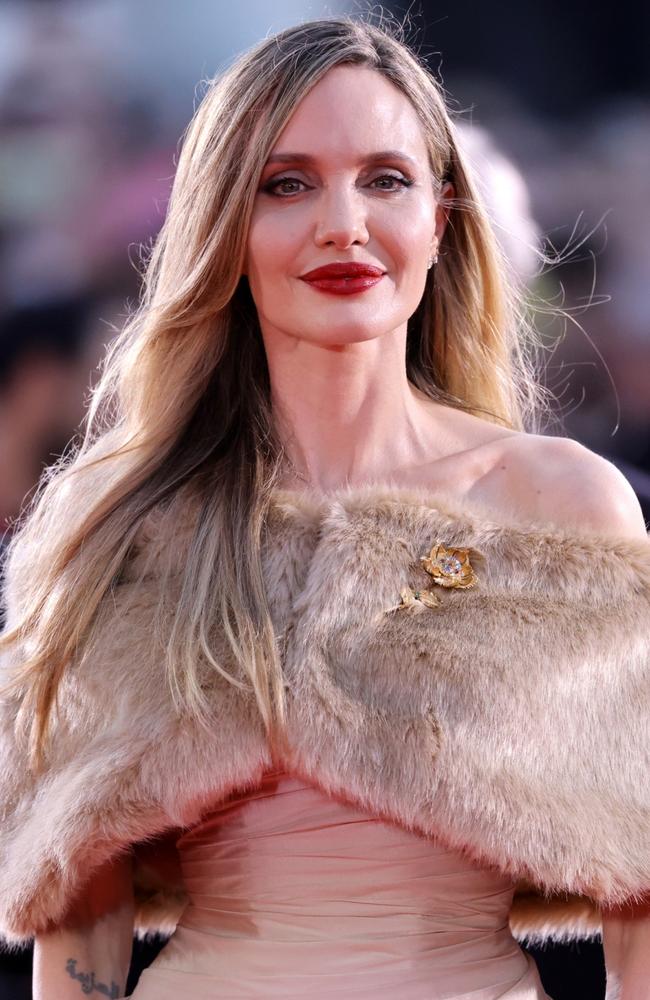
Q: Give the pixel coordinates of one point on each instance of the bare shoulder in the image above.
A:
(559, 481)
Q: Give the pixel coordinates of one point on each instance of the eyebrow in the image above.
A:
(380, 156)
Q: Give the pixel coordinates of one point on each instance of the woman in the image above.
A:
(244, 618)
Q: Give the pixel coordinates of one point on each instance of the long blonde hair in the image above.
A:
(184, 395)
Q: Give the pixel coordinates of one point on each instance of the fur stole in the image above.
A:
(509, 718)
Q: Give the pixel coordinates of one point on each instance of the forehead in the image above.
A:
(352, 110)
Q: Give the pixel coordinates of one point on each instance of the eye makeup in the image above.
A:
(269, 187)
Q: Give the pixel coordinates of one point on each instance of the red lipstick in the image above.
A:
(344, 278)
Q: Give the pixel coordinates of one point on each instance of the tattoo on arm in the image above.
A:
(88, 982)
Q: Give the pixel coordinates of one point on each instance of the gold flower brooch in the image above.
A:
(449, 567)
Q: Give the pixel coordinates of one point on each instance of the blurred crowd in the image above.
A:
(93, 99)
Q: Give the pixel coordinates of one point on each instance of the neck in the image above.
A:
(347, 414)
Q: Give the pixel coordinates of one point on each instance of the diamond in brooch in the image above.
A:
(449, 567)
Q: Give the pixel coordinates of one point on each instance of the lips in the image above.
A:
(342, 269)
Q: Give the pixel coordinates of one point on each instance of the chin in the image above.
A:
(347, 331)
(342, 335)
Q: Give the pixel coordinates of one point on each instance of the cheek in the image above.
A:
(272, 243)
(411, 232)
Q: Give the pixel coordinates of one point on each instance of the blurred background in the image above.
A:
(553, 102)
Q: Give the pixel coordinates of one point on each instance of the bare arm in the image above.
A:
(89, 952)
(626, 944)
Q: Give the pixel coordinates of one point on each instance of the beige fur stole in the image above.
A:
(509, 717)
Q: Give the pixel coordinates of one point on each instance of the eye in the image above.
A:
(403, 181)
(272, 186)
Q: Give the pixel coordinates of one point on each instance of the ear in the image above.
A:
(443, 209)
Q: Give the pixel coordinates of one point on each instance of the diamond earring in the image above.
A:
(433, 260)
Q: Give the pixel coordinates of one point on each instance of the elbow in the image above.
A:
(108, 891)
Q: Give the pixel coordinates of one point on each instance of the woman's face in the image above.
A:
(341, 206)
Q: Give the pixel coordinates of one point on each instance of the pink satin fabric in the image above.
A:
(297, 894)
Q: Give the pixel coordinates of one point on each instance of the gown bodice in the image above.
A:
(295, 893)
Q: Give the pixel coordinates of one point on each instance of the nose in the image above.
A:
(341, 217)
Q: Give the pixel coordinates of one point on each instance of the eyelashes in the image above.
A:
(270, 186)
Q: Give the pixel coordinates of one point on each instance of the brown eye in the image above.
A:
(403, 181)
(278, 186)
(271, 186)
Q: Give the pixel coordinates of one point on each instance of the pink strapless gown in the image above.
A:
(297, 894)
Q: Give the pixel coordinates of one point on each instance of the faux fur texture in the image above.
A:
(511, 721)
